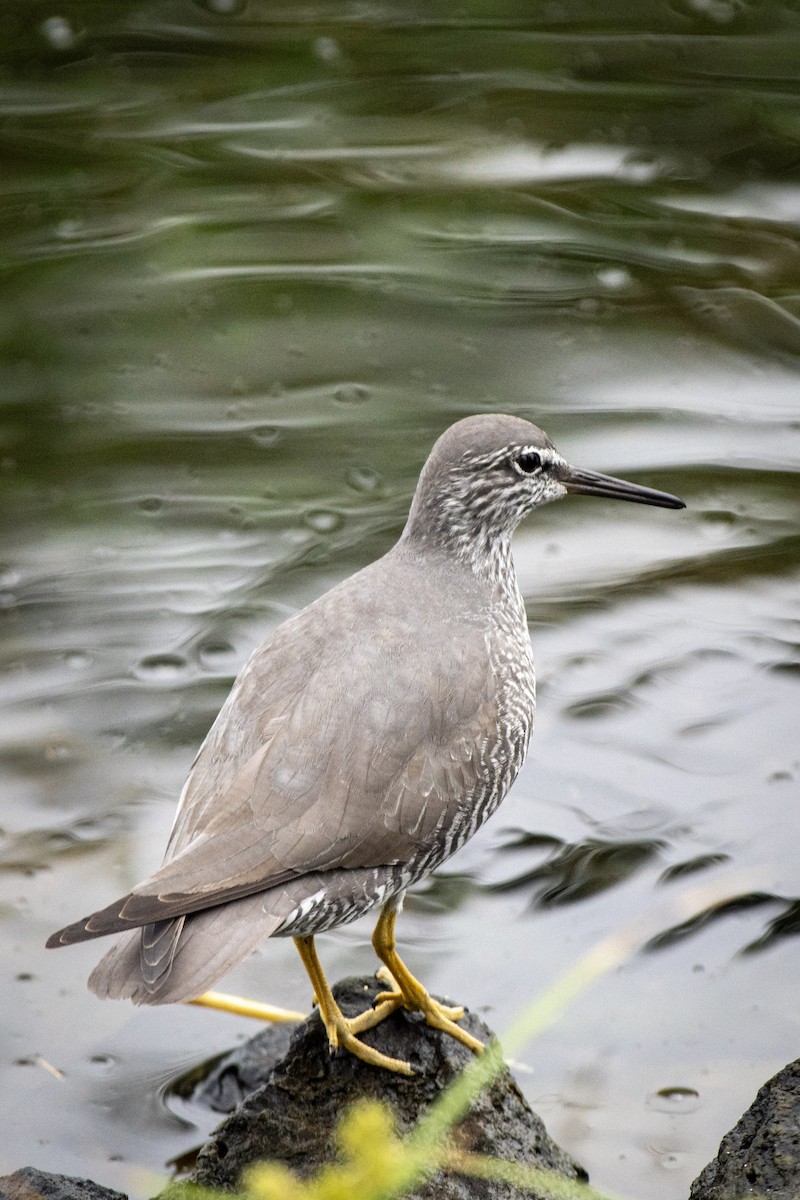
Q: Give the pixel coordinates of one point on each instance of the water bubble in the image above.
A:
(640, 168)
(363, 479)
(719, 516)
(323, 520)
(223, 8)
(215, 655)
(69, 230)
(351, 393)
(674, 1100)
(327, 49)
(598, 707)
(58, 32)
(614, 279)
(241, 516)
(76, 660)
(103, 1063)
(151, 504)
(266, 435)
(58, 752)
(779, 776)
(161, 668)
(720, 11)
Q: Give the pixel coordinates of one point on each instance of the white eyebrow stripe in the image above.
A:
(544, 453)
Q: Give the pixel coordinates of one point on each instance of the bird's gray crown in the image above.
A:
(485, 434)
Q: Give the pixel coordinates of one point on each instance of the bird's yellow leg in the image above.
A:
(340, 1030)
(246, 1008)
(407, 992)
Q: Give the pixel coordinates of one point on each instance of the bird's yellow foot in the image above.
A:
(342, 1033)
(414, 998)
(246, 1008)
(406, 991)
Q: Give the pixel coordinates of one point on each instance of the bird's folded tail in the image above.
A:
(177, 960)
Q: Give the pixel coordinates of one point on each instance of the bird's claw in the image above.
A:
(341, 1033)
(438, 1016)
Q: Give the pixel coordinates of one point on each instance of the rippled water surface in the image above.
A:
(255, 258)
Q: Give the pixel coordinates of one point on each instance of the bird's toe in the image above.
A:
(347, 1040)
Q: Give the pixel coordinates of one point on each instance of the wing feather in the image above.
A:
(347, 751)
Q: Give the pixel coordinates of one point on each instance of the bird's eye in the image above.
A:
(528, 462)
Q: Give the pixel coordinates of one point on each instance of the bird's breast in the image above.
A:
(512, 662)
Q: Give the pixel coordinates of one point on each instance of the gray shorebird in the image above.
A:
(361, 745)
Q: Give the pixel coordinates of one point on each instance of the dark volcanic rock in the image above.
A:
(761, 1154)
(30, 1184)
(229, 1078)
(291, 1118)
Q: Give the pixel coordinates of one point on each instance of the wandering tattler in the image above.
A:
(368, 738)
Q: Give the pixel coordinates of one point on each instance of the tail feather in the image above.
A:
(157, 948)
(179, 960)
(137, 909)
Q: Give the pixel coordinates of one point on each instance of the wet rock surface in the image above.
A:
(761, 1154)
(30, 1184)
(228, 1079)
(290, 1118)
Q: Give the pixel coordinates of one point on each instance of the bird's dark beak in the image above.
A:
(592, 483)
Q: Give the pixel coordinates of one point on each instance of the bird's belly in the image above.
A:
(334, 898)
(327, 900)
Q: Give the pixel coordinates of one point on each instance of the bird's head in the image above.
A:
(485, 473)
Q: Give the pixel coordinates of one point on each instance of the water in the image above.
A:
(255, 260)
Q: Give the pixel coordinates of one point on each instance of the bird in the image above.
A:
(361, 745)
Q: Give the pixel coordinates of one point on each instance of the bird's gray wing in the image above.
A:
(353, 754)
